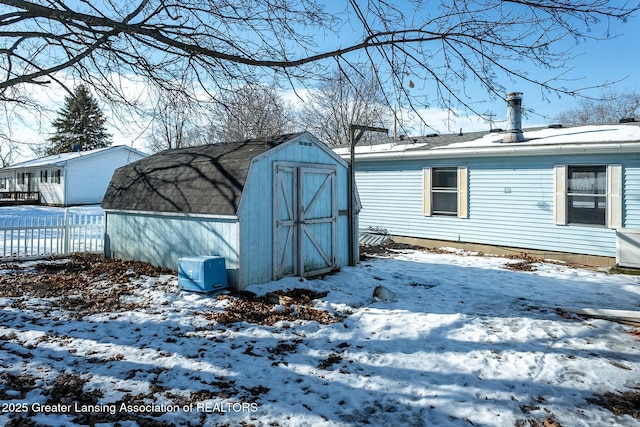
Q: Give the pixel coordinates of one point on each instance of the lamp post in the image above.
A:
(354, 138)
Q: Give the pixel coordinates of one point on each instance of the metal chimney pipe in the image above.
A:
(514, 118)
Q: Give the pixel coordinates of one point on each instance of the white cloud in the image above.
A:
(430, 120)
(30, 127)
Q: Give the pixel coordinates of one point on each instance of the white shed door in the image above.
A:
(306, 219)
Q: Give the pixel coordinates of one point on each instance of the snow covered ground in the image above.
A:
(466, 342)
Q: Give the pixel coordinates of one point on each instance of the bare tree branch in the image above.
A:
(251, 111)
(345, 97)
(196, 47)
(612, 106)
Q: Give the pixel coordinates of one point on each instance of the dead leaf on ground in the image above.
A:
(247, 307)
(623, 403)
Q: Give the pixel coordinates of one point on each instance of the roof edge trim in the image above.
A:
(57, 162)
(504, 151)
(173, 214)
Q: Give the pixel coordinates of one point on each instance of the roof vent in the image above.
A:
(514, 118)
(431, 135)
(555, 126)
(627, 120)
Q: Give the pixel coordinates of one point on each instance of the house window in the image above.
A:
(445, 191)
(21, 178)
(3, 183)
(587, 195)
(44, 175)
(55, 177)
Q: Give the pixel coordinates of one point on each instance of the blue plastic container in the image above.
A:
(202, 273)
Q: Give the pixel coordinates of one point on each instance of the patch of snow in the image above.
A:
(465, 342)
(379, 148)
(570, 135)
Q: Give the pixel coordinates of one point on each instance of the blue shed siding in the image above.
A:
(256, 208)
(511, 203)
(246, 241)
(190, 236)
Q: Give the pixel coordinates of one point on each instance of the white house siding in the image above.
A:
(84, 176)
(50, 192)
(128, 236)
(511, 203)
(256, 208)
(87, 178)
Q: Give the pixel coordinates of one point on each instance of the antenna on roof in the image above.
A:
(491, 116)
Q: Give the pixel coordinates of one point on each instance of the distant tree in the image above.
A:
(612, 106)
(7, 151)
(15, 118)
(79, 123)
(341, 100)
(173, 124)
(250, 111)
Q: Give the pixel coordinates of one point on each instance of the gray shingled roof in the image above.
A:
(205, 179)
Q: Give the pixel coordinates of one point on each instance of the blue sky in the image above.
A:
(599, 61)
(596, 62)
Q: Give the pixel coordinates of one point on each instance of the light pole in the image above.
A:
(353, 141)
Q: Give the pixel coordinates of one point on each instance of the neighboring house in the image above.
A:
(76, 178)
(559, 191)
(271, 207)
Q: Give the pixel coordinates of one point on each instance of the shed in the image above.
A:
(75, 178)
(271, 207)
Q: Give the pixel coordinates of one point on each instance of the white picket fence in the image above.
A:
(32, 238)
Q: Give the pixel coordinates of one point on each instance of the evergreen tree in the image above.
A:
(80, 123)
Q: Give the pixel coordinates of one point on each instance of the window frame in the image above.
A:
(438, 190)
(462, 186)
(596, 197)
(613, 195)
